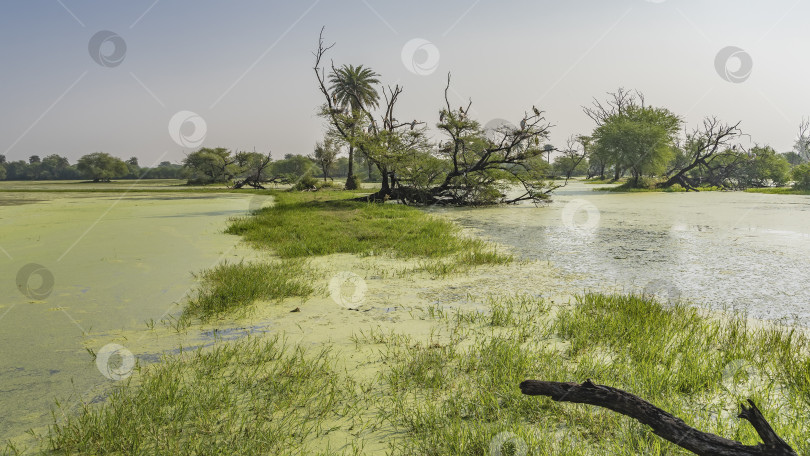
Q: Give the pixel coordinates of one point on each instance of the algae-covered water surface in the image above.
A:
(369, 345)
(84, 270)
(727, 250)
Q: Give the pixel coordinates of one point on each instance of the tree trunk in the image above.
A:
(663, 424)
(350, 175)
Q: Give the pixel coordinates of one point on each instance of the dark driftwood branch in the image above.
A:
(664, 424)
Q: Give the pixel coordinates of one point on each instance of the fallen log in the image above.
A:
(663, 424)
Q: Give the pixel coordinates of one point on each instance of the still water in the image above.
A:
(107, 265)
(722, 250)
(80, 272)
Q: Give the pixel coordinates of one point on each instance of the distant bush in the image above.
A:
(326, 184)
(306, 182)
(675, 188)
(645, 182)
(801, 176)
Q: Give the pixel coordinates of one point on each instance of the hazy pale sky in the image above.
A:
(245, 68)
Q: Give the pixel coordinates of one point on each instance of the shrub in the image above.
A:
(645, 182)
(801, 176)
(306, 182)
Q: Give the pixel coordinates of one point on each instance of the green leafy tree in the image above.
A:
(801, 176)
(640, 140)
(293, 167)
(254, 169)
(793, 158)
(2, 171)
(54, 167)
(207, 166)
(325, 155)
(101, 167)
(763, 168)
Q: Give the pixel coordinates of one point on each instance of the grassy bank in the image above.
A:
(779, 191)
(428, 379)
(302, 225)
(455, 392)
(625, 188)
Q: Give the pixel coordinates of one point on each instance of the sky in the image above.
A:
(157, 79)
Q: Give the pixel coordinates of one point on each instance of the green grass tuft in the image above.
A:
(323, 223)
(230, 286)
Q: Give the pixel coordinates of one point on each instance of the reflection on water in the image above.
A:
(720, 249)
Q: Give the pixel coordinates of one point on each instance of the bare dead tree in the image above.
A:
(367, 141)
(617, 103)
(663, 424)
(575, 151)
(509, 151)
(703, 147)
(255, 174)
(803, 140)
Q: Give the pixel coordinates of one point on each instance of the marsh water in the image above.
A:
(109, 264)
(738, 251)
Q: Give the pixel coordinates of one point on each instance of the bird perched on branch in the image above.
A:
(523, 124)
(413, 124)
(536, 111)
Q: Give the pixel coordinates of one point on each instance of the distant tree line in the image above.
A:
(98, 166)
(649, 147)
(218, 165)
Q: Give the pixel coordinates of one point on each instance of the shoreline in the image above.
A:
(415, 306)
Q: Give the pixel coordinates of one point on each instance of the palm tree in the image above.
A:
(353, 87)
